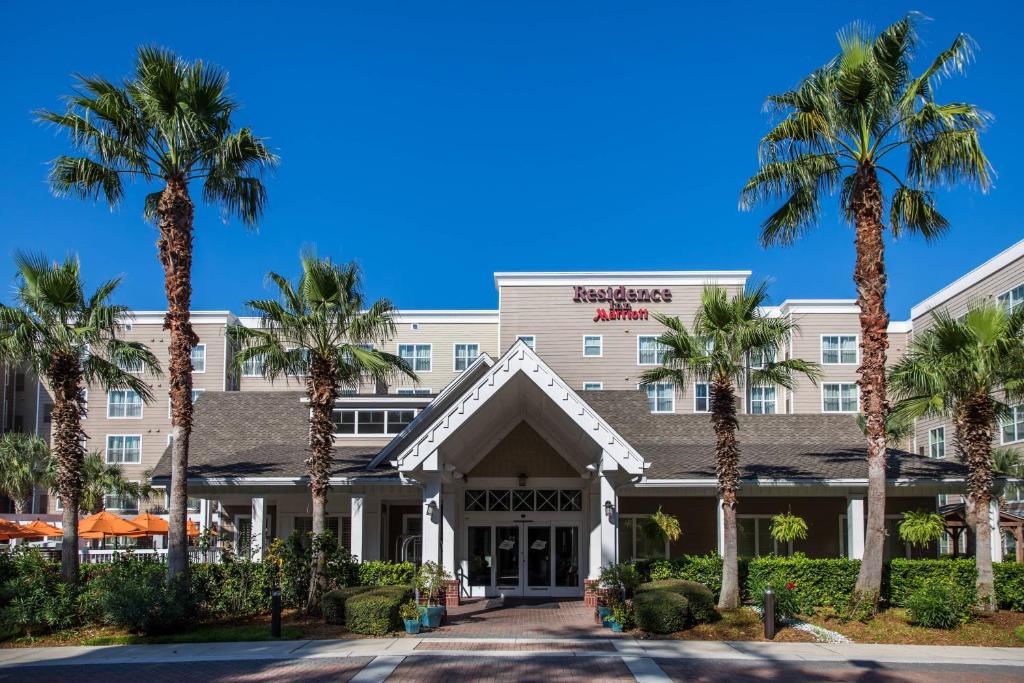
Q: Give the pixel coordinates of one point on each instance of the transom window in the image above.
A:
(762, 400)
(839, 349)
(124, 404)
(124, 450)
(413, 391)
(649, 351)
(372, 422)
(593, 386)
(253, 367)
(937, 442)
(416, 355)
(839, 397)
(661, 397)
(1012, 299)
(465, 354)
(592, 346)
(639, 539)
(1013, 425)
(524, 500)
(701, 397)
(199, 358)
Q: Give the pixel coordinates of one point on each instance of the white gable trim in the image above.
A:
(519, 358)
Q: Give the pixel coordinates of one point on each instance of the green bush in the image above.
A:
(36, 599)
(293, 560)
(661, 611)
(132, 593)
(383, 573)
(701, 602)
(825, 582)
(230, 589)
(907, 576)
(333, 607)
(703, 569)
(940, 604)
(375, 612)
(1009, 585)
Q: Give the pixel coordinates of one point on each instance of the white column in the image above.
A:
(609, 523)
(997, 537)
(358, 527)
(259, 515)
(855, 527)
(205, 514)
(596, 513)
(448, 531)
(431, 522)
(719, 526)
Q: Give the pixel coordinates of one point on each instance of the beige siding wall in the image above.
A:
(806, 397)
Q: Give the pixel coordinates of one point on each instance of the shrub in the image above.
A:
(132, 593)
(293, 561)
(432, 582)
(621, 576)
(816, 582)
(907, 576)
(1009, 585)
(375, 612)
(701, 603)
(939, 605)
(703, 569)
(236, 588)
(661, 611)
(333, 608)
(381, 573)
(37, 600)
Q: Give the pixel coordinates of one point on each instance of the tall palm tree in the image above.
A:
(23, 459)
(100, 479)
(846, 127)
(726, 331)
(70, 340)
(169, 125)
(965, 369)
(321, 330)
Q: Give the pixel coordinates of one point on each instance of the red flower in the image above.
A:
(790, 586)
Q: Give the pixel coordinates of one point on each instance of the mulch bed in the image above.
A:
(741, 624)
(891, 626)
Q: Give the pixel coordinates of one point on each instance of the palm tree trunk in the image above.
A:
(175, 246)
(727, 453)
(22, 503)
(869, 275)
(322, 390)
(975, 438)
(64, 376)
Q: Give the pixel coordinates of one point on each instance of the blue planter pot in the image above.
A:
(616, 626)
(412, 626)
(605, 615)
(431, 616)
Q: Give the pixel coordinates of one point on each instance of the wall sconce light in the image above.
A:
(522, 480)
(608, 509)
(431, 508)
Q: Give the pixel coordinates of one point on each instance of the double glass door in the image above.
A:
(524, 558)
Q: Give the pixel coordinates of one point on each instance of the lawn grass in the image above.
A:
(1002, 629)
(203, 634)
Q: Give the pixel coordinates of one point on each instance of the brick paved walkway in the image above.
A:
(547, 618)
(546, 669)
(308, 670)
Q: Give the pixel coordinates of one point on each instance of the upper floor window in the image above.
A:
(593, 386)
(592, 346)
(199, 358)
(133, 366)
(371, 422)
(465, 354)
(124, 504)
(528, 339)
(937, 442)
(839, 349)
(1012, 299)
(123, 404)
(761, 357)
(839, 397)
(416, 355)
(124, 450)
(762, 400)
(701, 397)
(649, 351)
(253, 367)
(413, 391)
(1013, 425)
(661, 397)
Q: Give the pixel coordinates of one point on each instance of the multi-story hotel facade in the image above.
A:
(528, 454)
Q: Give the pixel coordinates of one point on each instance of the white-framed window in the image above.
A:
(416, 355)
(413, 391)
(199, 358)
(528, 339)
(253, 367)
(839, 397)
(195, 397)
(465, 354)
(762, 400)
(132, 366)
(124, 504)
(839, 349)
(348, 391)
(661, 396)
(124, 449)
(761, 357)
(593, 386)
(124, 404)
(593, 346)
(702, 397)
(371, 421)
(754, 537)
(1012, 299)
(649, 351)
(937, 442)
(1012, 427)
(639, 539)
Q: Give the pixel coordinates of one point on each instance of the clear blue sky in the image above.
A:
(439, 142)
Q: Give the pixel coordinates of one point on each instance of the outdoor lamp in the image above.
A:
(522, 480)
(608, 509)
(431, 508)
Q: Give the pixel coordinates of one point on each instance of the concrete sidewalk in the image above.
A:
(626, 648)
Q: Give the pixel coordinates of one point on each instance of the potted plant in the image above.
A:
(410, 614)
(622, 616)
(431, 584)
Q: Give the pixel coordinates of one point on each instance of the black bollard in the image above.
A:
(769, 613)
(275, 613)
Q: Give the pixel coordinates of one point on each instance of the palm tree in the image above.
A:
(23, 459)
(726, 331)
(100, 480)
(964, 369)
(168, 125)
(70, 340)
(839, 126)
(321, 330)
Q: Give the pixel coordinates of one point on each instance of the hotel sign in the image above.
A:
(620, 300)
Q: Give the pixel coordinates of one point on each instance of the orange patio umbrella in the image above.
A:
(9, 530)
(104, 524)
(193, 528)
(151, 524)
(41, 528)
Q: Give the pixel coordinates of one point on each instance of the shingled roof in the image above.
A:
(771, 446)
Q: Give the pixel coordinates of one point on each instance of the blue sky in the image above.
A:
(439, 142)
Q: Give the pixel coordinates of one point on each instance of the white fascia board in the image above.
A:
(899, 326)
(685, 483)
(994, 264)
(373, 400)
(811, 306)
(196, 317)
(284, 481)
(626, 277)
(445, 316)
(771, 311)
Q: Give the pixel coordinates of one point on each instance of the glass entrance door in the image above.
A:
(524, 559)
(507, 559)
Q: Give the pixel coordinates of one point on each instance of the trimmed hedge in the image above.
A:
(1009, 585)
(383, 573)
(700, 601)
(702, 569)
(661, 611)
(817, 582)
(333, 605)
(907, 576)
(375, 612)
